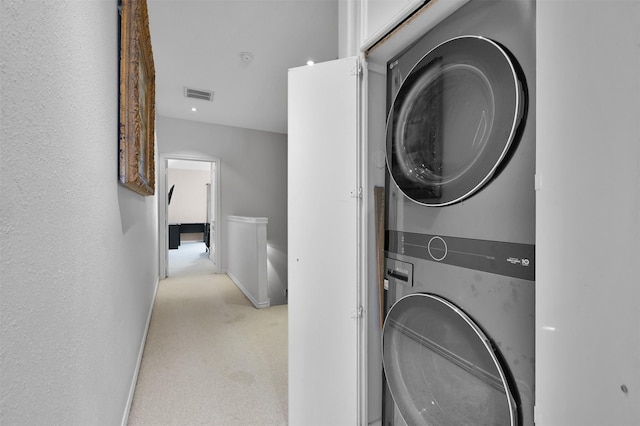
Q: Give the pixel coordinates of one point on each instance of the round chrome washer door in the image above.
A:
(441, 368)
(453, 120)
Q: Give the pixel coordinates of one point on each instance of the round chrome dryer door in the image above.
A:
(441, 368)
(453, 120)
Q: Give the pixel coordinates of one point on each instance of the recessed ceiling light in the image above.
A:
(194, 109)
(310, 62)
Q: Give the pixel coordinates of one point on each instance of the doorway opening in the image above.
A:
(189, 208)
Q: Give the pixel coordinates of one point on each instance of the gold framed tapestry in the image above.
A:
(137, 99)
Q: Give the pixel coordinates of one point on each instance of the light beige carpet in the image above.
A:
(190, 258)
(211, 358)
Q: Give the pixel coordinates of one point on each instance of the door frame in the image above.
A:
(163, 207)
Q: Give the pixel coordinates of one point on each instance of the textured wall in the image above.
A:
(78, 251)
(588, 213)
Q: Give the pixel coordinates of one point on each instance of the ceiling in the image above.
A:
(198, 44)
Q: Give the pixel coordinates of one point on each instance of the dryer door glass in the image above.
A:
(441, 368)
(453, 120)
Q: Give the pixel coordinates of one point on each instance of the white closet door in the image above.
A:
(323, 244)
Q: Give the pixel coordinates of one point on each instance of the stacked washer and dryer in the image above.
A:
(458, 338)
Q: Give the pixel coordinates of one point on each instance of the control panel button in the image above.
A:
(437, 248)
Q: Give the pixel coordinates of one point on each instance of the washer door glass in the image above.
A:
(453, 120)
(440, 367)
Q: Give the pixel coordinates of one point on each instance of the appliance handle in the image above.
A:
(398, 275)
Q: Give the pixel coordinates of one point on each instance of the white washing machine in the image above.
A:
(458, 339)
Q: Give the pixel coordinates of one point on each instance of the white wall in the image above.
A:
(277, 263)
(247, 257)
(253, 171)
(588, 213)
(78, 251)
(189, 197)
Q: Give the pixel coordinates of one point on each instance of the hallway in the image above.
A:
(211, 358)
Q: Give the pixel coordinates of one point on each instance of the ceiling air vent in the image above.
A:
(204, 95)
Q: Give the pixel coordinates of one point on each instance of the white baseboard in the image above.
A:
(127, 409)
(265, 304)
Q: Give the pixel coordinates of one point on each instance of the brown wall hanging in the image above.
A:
(137, 99)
